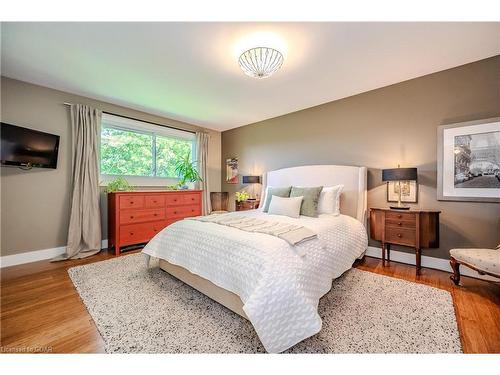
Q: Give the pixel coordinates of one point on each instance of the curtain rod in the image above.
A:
(136, 119)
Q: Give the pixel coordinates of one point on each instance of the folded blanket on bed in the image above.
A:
(291, 233)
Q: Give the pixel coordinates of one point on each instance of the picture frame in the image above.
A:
(409, 191)
(468, 161)
(232, 171)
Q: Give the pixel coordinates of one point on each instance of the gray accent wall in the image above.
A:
(35, 204)
(381, 129)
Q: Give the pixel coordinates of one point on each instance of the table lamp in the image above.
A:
(251, 180)
(399, 174)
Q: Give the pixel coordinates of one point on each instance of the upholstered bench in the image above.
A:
(484, 261)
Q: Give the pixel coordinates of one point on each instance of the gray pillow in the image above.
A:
(283, 192)
(311, 198)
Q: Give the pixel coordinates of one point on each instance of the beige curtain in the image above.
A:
(84, 233)
(202, 159)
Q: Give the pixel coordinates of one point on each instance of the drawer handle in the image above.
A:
(400, 223)
(400, 216)
(399, 235)
(192, 199)
(154, 201)
(131, 233)
(175, 212)
(131, 202)
(155, 214)
(156, 230)
(131, 217)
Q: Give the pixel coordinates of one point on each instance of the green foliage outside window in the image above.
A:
(169, 152)
(130, 153)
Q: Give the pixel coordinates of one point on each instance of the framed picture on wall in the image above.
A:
(232, 171)
(409, 191)
(469, 161)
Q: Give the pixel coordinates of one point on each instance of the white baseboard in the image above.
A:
(36, 255)
(427, 261)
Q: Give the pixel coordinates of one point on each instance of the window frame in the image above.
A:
(143, 127)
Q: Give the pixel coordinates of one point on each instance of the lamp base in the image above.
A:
(399, 208)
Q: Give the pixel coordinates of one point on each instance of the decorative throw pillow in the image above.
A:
(277, 191)
(310, 201)
(329, 200)
(285, 206)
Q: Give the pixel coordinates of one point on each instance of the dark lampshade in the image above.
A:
(251, 179)
(399, 174)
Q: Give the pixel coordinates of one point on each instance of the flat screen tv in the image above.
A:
(28, 148)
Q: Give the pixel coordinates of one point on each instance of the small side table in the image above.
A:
(414, 228)
(247, 205)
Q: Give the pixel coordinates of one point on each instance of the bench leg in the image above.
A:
(455, 266)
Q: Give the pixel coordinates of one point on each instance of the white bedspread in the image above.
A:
(279, 288)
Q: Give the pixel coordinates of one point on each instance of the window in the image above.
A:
(141, 151)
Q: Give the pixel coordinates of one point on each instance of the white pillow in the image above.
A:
(285, 206)
(329, 200)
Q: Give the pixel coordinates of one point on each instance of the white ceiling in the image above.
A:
(189, 71)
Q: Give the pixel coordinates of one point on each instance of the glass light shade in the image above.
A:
(260, 62)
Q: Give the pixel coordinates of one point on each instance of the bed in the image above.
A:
(263, 278)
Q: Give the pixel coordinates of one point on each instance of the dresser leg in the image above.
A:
(383, 254)
(418, 255)
(117, 250)
(388, 252)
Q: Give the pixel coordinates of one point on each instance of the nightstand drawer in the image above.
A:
(400, 223)
(400, 236)
(406, 216)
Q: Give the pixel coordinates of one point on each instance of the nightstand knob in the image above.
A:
(400, 216)
(399, 223)
(399, 235)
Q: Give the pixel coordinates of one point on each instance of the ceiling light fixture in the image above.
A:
(260, 62)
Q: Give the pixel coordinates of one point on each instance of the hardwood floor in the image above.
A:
(42, 312)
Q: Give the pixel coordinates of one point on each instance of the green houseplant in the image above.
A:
(119, 184)
(241, 196)
(186, 171)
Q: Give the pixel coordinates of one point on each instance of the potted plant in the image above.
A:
(186, 171)
(241, 196)
(119, 184)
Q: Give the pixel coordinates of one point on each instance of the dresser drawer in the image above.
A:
(399, 223)
(139, 216)
(138, 233)
(174, 200)
(183, 211)
(192, 199)
(154, 201)
(400, 236)
(130, 201)
(406, 216)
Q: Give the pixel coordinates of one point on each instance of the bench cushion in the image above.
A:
(483, 259)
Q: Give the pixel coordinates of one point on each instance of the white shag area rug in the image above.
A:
(145, 310)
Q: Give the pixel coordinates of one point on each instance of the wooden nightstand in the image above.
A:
(247, 205)
(415, 228)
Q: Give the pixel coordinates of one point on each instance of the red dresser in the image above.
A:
(134, 217)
